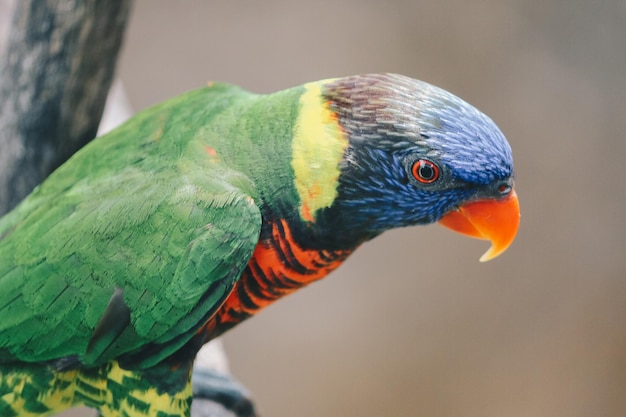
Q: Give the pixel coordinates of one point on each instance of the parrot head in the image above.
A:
(417, 154)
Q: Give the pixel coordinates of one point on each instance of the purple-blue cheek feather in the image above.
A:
(381, 195)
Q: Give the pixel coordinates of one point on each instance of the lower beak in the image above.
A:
(496, 220)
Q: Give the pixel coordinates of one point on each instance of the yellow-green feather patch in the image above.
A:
(318, 148)
(37, 391)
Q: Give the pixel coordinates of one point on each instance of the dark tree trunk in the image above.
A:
(55, 73)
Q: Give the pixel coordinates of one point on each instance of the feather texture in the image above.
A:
(202, 210)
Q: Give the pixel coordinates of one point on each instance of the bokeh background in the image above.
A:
(413, 324)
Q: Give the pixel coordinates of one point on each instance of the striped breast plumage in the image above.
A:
(279, 266)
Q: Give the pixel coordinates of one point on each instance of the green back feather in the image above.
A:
(131, 233)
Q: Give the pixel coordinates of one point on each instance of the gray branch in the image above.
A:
(55, 74)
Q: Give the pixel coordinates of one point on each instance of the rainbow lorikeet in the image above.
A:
(200, 211)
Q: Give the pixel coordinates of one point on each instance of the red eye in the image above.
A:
(425, 171)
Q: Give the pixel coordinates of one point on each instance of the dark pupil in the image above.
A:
(426, 172)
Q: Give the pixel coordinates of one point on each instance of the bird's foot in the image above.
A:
(217, 394)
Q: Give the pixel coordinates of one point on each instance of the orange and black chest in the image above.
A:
(278, 267)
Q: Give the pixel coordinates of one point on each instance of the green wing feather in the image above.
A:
(134, 241)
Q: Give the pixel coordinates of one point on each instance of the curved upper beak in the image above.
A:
(496, 220)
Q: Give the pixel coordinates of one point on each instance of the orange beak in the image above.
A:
(493, 220)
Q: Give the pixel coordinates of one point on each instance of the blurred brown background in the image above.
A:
(413, 324)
